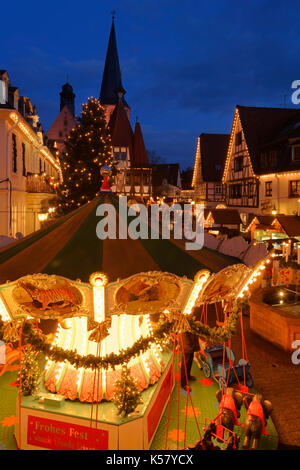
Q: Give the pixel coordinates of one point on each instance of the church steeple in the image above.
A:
(67, 97)
(111, 80)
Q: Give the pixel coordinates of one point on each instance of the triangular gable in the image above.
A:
(210, 157)
(277, 226)
(254, 221)
(289, 224)
(58, 124)
(262, 127)
(236, 126)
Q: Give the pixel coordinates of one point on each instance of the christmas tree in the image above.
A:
(87, 149)
(30, 372)
(127, 395)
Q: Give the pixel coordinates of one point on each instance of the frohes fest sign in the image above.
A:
(58, 435)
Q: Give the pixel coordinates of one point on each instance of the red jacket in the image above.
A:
(256, 409)
(228, 403)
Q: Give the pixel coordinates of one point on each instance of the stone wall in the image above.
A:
(271, 323)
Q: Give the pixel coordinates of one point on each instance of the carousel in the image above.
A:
(89, 333)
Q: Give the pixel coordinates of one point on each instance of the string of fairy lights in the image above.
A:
(228, 160)
(88, 148)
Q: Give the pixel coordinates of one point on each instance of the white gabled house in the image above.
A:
(262, 167)
(29, 171)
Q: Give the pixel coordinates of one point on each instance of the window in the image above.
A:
(264, 160)
(238, 163)
(235, 191)
(268, 188)
(268, 159)
(146, 178)
(273, 158)
(238, 138)
(14, 151)
(296, 154)
(60, 133)
(116, 153)
(24, 159)
(250, 189)
(120, 153)
(295, 188)
(40, 166)
(218, 189)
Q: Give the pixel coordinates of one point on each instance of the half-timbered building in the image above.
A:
(209, 163)
(262, 168)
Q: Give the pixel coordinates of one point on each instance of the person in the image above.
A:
(190, 345)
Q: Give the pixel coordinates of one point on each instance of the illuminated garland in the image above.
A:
(215, 335)
(38, 343)
(220, 334)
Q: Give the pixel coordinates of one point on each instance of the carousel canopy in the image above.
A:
(69, 247)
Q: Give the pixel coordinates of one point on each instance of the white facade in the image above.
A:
(265, 194)
(28, 174)
(280, 192)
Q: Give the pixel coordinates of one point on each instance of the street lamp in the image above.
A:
(3, 181)
(42, 216)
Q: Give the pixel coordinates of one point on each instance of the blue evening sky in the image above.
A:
(185, 64)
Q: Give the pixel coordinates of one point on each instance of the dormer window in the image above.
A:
(268, 159)
(273, 158)
(296, 153)
(264, 160)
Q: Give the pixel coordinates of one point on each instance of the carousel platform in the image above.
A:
(178, 429)
(73, 425)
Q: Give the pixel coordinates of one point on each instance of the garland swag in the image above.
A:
(215, 335)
